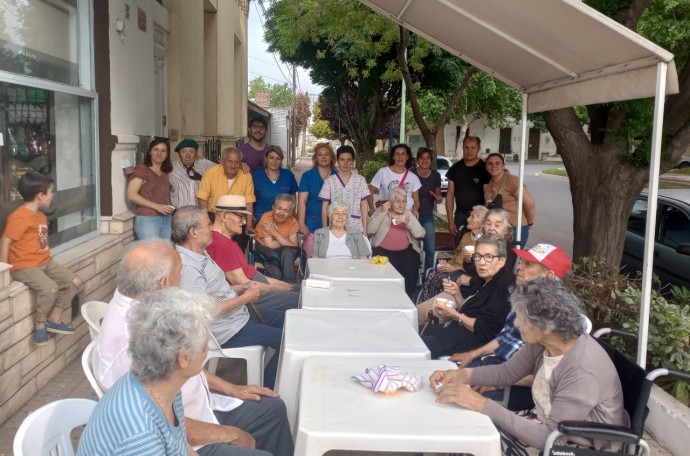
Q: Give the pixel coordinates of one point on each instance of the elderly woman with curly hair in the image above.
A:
(169, 332)
(396, 234)
(574, 378)
(339, 240)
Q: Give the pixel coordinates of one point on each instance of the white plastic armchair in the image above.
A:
(93, 312)
(46, 431)
(252, 354)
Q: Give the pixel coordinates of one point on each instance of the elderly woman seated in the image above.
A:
(574, 378)
(477, 319)
(461, 263)
(169, 332)
(396, 234)
(339, 240)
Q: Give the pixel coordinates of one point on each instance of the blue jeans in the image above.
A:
(153, 226)
(427, 222)
(524, 234)
(254, 333)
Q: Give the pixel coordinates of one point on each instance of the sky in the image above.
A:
(263, 63)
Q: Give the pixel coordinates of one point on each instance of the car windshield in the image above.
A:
(442, 164)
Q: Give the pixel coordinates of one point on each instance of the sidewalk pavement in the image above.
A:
(71, 382)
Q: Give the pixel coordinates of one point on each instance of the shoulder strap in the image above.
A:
(402, 182)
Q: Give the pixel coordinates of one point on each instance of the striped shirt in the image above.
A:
(182, 188)
(126, 421)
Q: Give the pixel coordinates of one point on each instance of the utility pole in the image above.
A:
(293, 128)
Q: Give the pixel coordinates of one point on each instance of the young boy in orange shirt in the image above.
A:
(24, 245)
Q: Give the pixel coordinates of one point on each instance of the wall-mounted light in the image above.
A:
(120, 28)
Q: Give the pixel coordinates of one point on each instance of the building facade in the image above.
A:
(84, 86)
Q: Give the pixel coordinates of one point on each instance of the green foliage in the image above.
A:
(614, 300)
(321, 129)
(258, 85)
(368, 168)
(555, 171)
(280, 94)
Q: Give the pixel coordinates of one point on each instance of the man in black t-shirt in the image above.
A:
(466, 180)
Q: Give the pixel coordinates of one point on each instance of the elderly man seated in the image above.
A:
(276, 236)
(226, 424)
(231, 217)
(234, 326)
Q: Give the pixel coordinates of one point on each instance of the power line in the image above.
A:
(263, 27)
(267, 77)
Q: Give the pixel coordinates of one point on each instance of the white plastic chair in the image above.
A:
(93, 312)
(86, 365)
(46, 431)
(252, 354)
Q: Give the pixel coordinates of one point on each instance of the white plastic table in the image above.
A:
(340, 333)
(363, 296)
(351, 270)
(338, 413)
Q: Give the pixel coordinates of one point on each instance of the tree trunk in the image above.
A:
(603, 188)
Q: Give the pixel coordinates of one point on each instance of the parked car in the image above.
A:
(684, 162)
(672, 243)
(443, 164)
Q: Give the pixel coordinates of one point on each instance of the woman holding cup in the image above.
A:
(477, 319)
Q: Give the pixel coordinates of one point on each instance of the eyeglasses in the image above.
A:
(487, 257)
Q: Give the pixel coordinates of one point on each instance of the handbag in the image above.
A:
(497, 202)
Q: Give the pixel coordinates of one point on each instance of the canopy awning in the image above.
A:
(560, 52)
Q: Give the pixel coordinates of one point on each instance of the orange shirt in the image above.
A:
(286, 229)
(28, 231)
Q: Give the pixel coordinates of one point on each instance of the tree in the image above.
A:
(320, 127)
(609, 169)
(258, 85)
(281, 95)
(348, 49)
(302, 113)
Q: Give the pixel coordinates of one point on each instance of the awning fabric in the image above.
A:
(560, 52)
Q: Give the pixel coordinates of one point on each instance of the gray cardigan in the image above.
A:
(380, 223)
(354, 240)
(584, 386)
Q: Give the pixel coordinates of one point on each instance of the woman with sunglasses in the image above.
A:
(474, 320)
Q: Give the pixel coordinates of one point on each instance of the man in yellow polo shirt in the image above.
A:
(227, 178)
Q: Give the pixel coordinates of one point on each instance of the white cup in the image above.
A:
(443, 302)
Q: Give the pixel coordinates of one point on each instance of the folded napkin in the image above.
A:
(379, 259)
(388, 379)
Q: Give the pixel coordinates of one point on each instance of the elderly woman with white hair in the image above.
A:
(169, 332)
(339, 240)
(574, 378)
(396, 234)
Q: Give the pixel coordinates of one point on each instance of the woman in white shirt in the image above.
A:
(397, 175)
(338, 240)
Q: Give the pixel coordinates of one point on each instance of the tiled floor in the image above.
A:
(71, 382)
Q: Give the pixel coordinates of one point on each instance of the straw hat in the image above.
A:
(232, 203)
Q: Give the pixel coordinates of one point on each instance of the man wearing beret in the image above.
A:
(186, 174)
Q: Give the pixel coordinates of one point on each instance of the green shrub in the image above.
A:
(368, 168)
(614, 300)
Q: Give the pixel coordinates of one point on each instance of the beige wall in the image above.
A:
(25, 368)
(207, 61)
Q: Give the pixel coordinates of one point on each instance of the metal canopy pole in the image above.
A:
(521, 177)
(650, 232)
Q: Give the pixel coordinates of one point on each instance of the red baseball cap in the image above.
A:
(552, 257)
